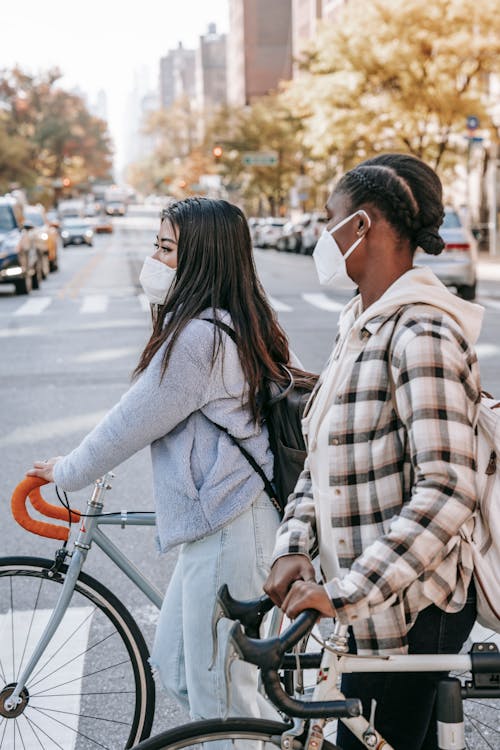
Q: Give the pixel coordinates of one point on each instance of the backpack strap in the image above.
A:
(223, 326)
(251, 460)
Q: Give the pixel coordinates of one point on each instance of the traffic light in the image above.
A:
(66, 182)
(217, 153)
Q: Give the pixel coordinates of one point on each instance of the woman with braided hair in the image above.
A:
(390, 473)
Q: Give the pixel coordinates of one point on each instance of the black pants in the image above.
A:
(405, 714)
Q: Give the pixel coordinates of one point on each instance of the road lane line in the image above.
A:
(278, 305)
(74, 285)
(94, 303)
(144, 302)
(490, 302)
(34, 306)
(54, 674)
(323, 302)
(484, 351)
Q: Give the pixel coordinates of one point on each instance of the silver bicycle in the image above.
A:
(73, 661)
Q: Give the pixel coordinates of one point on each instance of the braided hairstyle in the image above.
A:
(406, 191)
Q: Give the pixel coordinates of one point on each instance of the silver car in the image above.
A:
(456, 265)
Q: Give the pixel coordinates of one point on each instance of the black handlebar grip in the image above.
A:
(348, 707)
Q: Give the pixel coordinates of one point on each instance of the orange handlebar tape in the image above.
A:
(30, 487)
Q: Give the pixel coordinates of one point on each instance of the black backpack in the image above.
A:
(283, 410)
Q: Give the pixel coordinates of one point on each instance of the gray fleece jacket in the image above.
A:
(201, 480)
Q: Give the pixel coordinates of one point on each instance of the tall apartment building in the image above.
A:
(305, 17)
(211, 86)
(259, 51)
(177, 75)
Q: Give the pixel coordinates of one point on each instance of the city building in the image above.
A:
(177, 75)
(211, 86)
(306, 15)
(259, 50)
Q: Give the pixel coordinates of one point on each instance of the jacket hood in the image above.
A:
(419, 285)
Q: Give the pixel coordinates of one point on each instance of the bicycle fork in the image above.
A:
(78, 557)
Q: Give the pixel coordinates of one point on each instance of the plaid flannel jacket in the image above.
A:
(402, 477)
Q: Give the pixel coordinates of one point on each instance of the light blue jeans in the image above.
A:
(239, 555)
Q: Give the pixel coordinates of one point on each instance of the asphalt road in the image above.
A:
(66, 355)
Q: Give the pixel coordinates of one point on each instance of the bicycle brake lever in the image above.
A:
(232, 654)
(217, 615)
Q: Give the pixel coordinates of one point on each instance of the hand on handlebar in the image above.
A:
(285, 571)
(304, 595)
(44, 469)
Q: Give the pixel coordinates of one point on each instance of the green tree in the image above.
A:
(48, 132)
(398, 76)
(269, 124)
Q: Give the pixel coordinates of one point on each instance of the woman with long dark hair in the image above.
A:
(391, 472)
(192, 376)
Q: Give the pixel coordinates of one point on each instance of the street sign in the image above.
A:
(260, 158)
(472, 122)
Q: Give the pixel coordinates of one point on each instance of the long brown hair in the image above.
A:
(216, 270)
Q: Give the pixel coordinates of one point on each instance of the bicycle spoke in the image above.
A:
(74, 658)
(475, 702)
(82, 716)
(70, 636)
(76, 731)
(72, 695)
(12, 625)
(45, 733)
(480, 733)
(4, 730)
(89, 674)
(35, 735)
(26, 641)
(483, 723)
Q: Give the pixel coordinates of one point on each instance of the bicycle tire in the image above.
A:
(110, 701)
(219, 730)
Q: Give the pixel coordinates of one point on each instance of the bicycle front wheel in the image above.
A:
(92, 687)
(224, 733)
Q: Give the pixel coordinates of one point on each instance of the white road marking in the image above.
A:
(484, 351)
(51, 429)
(94, 303)
(490, 302)
(105, 355)
(144, 302)
(279, 306)
(54, 674)
(34, 306)
(323, 302)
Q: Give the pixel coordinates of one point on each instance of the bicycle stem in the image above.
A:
(78, 557)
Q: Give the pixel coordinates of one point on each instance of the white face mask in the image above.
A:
(328, 258)
(156, 279)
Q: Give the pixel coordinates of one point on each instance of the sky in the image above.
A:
(101, 44)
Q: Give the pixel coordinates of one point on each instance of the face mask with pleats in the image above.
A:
(156, 279)
(328, 258)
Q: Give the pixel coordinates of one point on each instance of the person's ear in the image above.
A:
(363, 223)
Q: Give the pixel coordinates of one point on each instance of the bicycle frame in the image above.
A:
(89, 532)
(336, 661)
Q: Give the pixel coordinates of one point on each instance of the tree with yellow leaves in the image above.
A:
(398, 76)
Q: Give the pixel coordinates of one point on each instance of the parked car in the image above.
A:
(76, 232)
(102, 223)
(270, 231)
(19, 260)
(291, 237)
(312, 226)
(45, 235)
(456, 265)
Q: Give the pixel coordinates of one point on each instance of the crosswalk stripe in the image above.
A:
(94, 303)
(323, 302)
(490, 302)
(278, 305)
(144, 302)
(34, 306)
